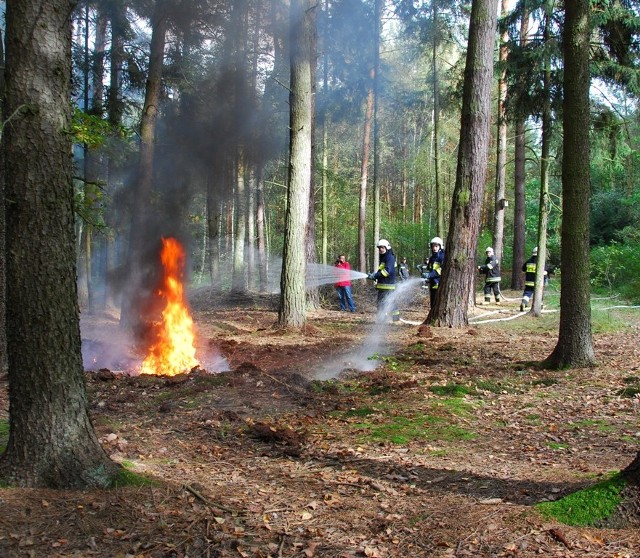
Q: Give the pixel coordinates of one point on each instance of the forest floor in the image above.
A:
(443, 449)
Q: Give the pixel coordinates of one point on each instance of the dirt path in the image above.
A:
(442, 450)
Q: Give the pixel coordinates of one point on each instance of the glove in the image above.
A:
(372, 276)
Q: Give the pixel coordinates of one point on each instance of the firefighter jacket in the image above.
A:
(386, 273)
(434, 268)
(529, 268)
(491, 269)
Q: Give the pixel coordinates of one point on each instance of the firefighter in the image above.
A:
(385, 278)
(434, 267)
(491, 270)
(423, 270)
(529, 269)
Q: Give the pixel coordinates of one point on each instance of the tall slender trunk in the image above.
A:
(543, 211)
(501, 156)
(132, 304)
(519, 224)
(364, 177)
(436, 127)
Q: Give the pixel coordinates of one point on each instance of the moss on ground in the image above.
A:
(586, 507)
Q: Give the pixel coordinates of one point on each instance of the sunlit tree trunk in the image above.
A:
(501, 158)
(51, 438)
(313, 292)
(239, 277)
(457, 283)
(378, 5)
(543, 211)
(517, 277)
(575, 341)
(292, 311)
(261, 232)
(364, 177)
(436, 126)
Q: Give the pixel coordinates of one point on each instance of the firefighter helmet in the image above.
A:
(489, 250)
(382, 243)
(437, 240)
(535, 251)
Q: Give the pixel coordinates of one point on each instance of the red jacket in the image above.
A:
(344, 277)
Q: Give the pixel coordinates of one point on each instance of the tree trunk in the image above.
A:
(501, 157)
(364, 177)
(543, 210)
(376, 132)
(239, 278)
(313, 292)
(439, 188)
(519, 224)
(292, 311)
(133, 298)
(3, 261)
(51, 438)
(451, 304)
(575, 342)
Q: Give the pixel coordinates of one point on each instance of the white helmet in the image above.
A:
(535, 251)
(384, 243)
(437, 240)
(489, 250)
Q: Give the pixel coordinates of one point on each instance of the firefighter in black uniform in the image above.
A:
(491, 269)
(529, 268)
(385, 278)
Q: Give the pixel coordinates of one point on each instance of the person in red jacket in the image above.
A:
(343, 285)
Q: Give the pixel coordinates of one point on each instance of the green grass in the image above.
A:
(557, 446)
(450, 390)
(125, 477)
(4, 434)
(401, 430)
(586, 507)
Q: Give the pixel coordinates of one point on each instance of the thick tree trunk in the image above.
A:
(292, 311)
(457, 284)
(575, 342)
(3, 261)
(51, 439)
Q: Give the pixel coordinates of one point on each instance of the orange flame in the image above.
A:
(173, 351)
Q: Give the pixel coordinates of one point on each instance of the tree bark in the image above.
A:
(292, 311)
(543, 210)
(51, 438)
(501, 156)
(575, 342)
(517, 277)
(364, 178)
(457, 283)
(3, 244)
(133, 299)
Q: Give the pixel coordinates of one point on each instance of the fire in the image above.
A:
(173, 352)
